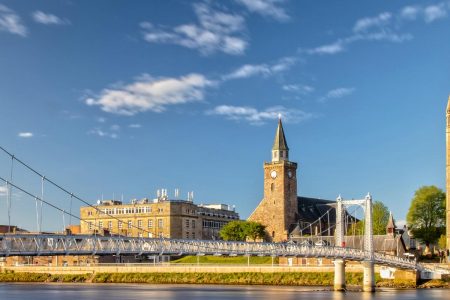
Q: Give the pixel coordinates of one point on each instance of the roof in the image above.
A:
(391, 222)
(311, 209)
(280, 140)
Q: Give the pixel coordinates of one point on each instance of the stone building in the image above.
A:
(160, 217)
(447, 202)
(282, 210)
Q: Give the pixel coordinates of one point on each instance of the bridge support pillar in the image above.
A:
(369, 276)
(339, 274)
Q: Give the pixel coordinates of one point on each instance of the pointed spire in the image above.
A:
(390, 227)
(280, 139)
(280, 149)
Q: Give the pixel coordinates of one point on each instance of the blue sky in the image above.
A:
(113, 97)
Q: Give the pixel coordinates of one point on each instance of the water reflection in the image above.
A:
(183, 292)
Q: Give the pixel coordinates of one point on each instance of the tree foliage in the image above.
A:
(242, 230)
(380, 218)
(426, 215)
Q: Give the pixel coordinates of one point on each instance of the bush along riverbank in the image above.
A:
(242, 278)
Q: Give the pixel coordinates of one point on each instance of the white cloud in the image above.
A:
(267, 8)
(410, 12)
(25, 134)
(103, 133)
(259, 117)
(3, 190)
(151, 94)
(337, 93)
(400, 223)
(435, 12)
(135, 126)
(47, 19)
(380, 21)
(215, 31)
(298, 88)
(428, 13)
(248, 70)
(333, 48)
(11, 22)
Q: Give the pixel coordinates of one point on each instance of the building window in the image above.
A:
(130, 224)
(150, 235)
(160, 210)
(193, 223)
(275, 153)
(160, 223)
(140, 234)
(187, 223)
(90, 225)
(120, 225)
(193, 235)
(89, 213)
(272, 187)
(110, 225)
(150, 223)
(160, 234)
(139, 223)
(187, 234)
(100, 224)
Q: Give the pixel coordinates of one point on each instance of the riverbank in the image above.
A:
(242, 278)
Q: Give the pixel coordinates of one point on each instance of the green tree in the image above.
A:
(380, 218)
(234, 231)
(255, 230)
(426, 215)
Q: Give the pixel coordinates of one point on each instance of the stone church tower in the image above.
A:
(279, 209)
(447, 203)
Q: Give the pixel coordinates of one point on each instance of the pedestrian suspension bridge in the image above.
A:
(40, 243)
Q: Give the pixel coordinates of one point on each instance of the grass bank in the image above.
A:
(241, 278)
(237, 260)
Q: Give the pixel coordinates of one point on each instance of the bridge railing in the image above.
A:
(48, 244)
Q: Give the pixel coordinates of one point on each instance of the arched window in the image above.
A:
(272, 187)
(273, 234)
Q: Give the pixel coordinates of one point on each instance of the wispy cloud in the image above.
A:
(368, 23)
(103, 133)
(332, 48)
(151, 94)
(298, 88)
(215, 31)
(25, 134)
(249, 70)
(258, 117)
(435, 12)
(337, 93)
(11, 22)
(48, 19)
(428, 13)
(385, 26)
(267, 8)
(135, 126)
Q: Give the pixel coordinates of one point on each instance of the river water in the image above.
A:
(19, 291)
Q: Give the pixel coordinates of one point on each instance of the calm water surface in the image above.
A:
(186, 292)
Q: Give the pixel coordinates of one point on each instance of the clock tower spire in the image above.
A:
(278, 211)
(280, 149)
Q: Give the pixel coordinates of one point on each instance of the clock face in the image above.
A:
(273, 174)
(290, 174)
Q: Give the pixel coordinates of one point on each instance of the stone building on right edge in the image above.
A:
(447, 171)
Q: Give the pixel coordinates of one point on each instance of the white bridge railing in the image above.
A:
(48, 245)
